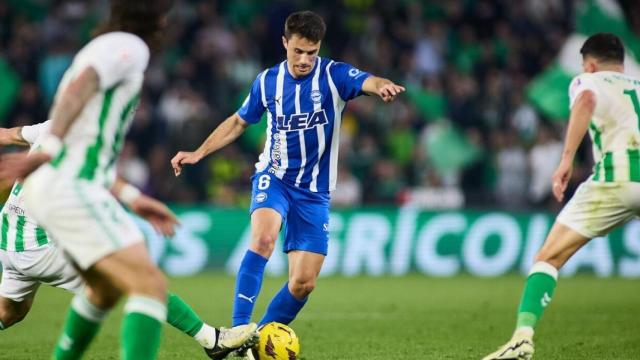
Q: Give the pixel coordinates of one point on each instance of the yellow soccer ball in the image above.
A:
(278, 342)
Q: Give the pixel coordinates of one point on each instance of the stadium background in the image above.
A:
(453, 177)
(451, 180)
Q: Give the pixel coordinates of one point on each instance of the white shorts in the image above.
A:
(84, 218)
(597, 207)
(23, 272)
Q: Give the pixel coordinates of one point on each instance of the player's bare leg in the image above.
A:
(304, 268)
(265, 226)
(12, 312)
(132, 272)
(127, 271)
(99, 291)
(84, 318)
(562, 242)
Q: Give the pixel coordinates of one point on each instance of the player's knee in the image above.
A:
(103, 297)
(157, 284)
(549, 257)
(264, 245)
(10, 319)
(545, 255)
(301, 287)
(12, 315)
(150, 282)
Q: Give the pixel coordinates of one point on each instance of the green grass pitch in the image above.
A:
(411, 317)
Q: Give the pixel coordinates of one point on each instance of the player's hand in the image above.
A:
(158, 214)
(389, 91)
(17, 166)
(561, 178)
(184, 157)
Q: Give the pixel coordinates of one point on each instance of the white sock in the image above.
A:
(206, 337)
(526, 331)
(85, 308)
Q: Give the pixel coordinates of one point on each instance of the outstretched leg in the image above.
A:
(130, 272)
(84, 318)
(17, 292)
(539, 288)
(561, 244)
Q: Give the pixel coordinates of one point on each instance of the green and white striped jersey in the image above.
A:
(19, 231)
(95, 139)
(615, 126)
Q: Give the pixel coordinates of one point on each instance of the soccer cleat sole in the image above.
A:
(513, 352)
(246, 351)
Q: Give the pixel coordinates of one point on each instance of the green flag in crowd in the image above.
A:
(548, 92)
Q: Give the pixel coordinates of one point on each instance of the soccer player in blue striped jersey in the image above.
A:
(304, 98)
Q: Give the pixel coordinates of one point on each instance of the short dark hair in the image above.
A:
(305, 24)
(604, 47)
(140, 17)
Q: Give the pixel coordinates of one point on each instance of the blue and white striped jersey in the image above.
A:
(304, 116)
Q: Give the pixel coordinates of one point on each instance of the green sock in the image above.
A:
(81, 326)
(538, 291)
(141, 328)
(182, 317)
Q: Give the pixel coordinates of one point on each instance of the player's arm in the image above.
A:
(113, 60)
(71, 102)
(386, 89)
(152, 210)
(249, 113)
(581, 113)
(12, 136)
(66, 109)
(228, 131)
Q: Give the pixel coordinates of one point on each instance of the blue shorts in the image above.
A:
(305, 214)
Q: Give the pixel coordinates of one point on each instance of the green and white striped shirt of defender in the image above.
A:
(19, 231)
(615, 125)
(94, 141)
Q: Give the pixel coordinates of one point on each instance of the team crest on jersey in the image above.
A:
(302, 121)
(316, 97)
(261, 197)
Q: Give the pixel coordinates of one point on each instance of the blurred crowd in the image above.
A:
(463, 134)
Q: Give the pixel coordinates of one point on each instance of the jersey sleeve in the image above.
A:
(579, 84)
(584, 82)
(253, 107)
(117, 56)
(348, 80)
(31, 133)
